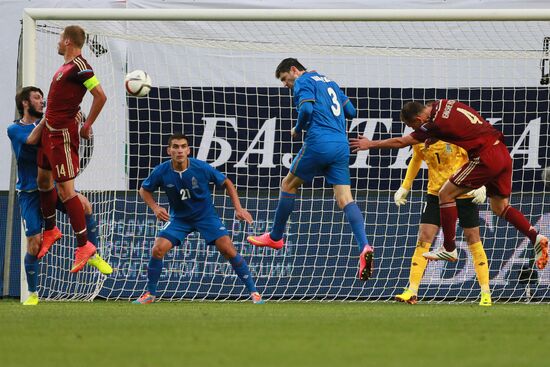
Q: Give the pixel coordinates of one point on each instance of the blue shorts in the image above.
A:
(330, 160)
(29, 203)
(211, 228)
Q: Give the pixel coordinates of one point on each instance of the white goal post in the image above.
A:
(213, 76)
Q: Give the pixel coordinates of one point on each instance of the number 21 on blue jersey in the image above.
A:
(185, 194)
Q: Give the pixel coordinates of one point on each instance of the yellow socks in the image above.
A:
(481, 265)
(418, 265)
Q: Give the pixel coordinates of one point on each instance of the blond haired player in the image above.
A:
(58, 158)
(443, 159)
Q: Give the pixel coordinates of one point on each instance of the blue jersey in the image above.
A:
(27, 169)
(188, 191)
(328, 123)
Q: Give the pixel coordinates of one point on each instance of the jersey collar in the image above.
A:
(22, 123)
(185, 169)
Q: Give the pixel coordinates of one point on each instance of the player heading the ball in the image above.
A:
(489, 165)
(58, 154)
(186, 184)
(322, 111)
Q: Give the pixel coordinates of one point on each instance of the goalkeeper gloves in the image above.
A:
(400, 196)
(479, 195)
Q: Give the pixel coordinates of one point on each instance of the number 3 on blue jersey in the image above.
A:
(185, 194)
(336, 110)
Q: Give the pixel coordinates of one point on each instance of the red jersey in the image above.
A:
(458, 124)
(69, 85)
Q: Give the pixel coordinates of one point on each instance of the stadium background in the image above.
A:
(389, 232)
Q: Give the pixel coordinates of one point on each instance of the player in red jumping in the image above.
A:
(58, 155)
(489, 164)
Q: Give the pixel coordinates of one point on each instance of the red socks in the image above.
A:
(77, 218)
(48, 200)
(448, 215)
(518, 220)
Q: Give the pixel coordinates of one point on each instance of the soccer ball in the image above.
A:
(138, 83)
(546, 176)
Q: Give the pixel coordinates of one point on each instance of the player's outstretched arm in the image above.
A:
(363, 143)
(400, 196)
(240, 212)
(36, 133)
(413, 168)
(159, 211)
(99, 99)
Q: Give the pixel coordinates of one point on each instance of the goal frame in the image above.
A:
(31, 15)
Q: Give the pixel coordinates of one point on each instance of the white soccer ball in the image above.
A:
(138, 83)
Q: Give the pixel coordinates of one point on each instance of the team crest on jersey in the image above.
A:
(59, 76)
(448, 148)
(194, 183)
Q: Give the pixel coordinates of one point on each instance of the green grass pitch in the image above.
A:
(275, 334)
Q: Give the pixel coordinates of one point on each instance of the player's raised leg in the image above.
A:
(91, 229)
(344, 199)
(501, 207)
(65, 168)
(75, 211)
(48, 200)
(229, 252)
(541, 251)
(448, 217)
(274, 238)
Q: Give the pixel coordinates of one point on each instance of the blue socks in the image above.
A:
(91, 229)
(238, 263)
(153, 274)
(31, 269)
(241, 268)
(284, 209)
(356, 221)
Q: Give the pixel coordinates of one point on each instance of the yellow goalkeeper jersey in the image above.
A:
(443, 159)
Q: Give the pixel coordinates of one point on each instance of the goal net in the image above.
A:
(214, 81)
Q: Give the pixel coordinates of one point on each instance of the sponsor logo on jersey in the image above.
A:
(59, 76)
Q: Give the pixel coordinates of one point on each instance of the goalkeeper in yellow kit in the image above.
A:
(443, 159)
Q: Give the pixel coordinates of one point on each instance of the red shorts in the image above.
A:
(493, 168)
(58, 152)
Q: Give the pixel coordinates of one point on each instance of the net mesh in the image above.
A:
(215, 82)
